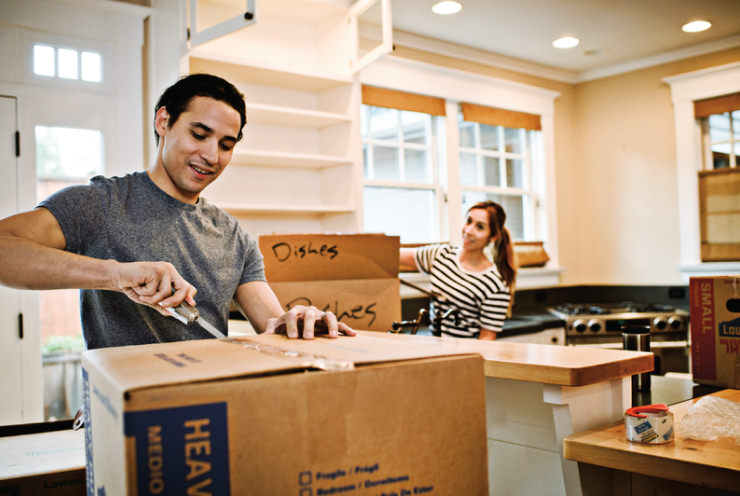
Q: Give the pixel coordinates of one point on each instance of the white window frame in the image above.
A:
(435, 185)
(458, 86)
(685, 89)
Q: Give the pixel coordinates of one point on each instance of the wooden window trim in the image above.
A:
(500, 117)
(401, 100)
(716, 105)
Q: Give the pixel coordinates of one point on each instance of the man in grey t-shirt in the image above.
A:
(145, 242)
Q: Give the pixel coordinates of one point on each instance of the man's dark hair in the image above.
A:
(177, 97)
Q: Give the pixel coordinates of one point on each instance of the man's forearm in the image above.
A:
(25, 264)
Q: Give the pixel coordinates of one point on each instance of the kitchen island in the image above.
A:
(611, 464)
(536, 395)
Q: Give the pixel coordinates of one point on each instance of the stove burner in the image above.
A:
(610, 308)
(635, 307)
(580, 309)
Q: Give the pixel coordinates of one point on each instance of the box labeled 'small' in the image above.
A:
(355, 276)
(266, 415)
(715, 330)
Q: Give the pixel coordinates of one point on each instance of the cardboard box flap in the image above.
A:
(316, 257)
(145, 366)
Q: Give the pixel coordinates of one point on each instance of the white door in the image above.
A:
(11, 390)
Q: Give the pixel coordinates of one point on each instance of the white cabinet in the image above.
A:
(299, 166)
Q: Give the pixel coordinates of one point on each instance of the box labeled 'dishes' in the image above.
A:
(715, 330)
(266, 415)
(355, 276)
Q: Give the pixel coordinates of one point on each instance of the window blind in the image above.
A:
(500, 117)
(382, 97)
(716, 105)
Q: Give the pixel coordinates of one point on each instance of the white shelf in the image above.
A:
(286, 159)
(261, 72)
(278, 209)
(291, 116)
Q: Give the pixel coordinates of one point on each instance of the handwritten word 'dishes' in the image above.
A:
(283, 251)
(352, 313)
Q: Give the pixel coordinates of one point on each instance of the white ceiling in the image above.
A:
(614, 34)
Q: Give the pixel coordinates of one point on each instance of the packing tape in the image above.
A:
(649, 424)
(305, 359)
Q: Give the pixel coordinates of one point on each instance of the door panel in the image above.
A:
(11, 390)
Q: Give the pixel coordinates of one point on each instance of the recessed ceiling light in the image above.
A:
(446, 7)
(566, 42)
(696, 26)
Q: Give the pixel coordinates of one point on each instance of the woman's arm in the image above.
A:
(408, 257)
(487, 335)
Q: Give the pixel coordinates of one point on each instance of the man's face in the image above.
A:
(196, 148)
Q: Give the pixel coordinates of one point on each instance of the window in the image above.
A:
(719, 181)
(402, 178)
(67, 63)
(722, 138)
(497, 160)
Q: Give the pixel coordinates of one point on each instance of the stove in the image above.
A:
(604, 321)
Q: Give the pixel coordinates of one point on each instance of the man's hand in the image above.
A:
(155, 284)
(305, 322)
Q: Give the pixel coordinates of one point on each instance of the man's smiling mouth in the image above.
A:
(201, 171)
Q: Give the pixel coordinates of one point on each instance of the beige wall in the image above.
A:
(616, 174)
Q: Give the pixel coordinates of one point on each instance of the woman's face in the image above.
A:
(476, 232)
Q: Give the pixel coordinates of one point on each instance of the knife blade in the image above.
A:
(189, 315)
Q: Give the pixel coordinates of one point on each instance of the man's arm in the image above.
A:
(33, 256)
(262, 308)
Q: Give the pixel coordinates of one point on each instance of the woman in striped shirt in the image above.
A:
(473, 293)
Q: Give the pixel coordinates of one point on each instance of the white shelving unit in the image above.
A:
(299, 166)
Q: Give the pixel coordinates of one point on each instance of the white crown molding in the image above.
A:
(562, 75)
(663, 58)
(483, 57)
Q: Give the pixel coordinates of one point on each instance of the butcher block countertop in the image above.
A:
(548, 364)
(713, 464)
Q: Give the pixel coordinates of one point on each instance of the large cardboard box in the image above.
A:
(353, 275)
(266, 415)
(48, 463)
(715, 330)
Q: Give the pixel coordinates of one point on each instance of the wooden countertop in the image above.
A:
(548, 364)
(713, 464)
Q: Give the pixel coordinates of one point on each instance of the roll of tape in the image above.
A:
(650, 424)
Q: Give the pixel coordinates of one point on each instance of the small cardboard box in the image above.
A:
(266, 415)
(353, 275)
(49, 463)
(715, 330)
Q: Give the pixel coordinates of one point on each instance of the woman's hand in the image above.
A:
(487, 335)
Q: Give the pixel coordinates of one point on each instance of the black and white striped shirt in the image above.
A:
(480, 298)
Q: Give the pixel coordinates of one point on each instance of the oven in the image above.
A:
(600, 325)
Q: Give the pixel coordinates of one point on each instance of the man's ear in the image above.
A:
(161, 121)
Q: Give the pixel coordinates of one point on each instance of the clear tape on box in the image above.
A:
(711, 418)
(306, 359)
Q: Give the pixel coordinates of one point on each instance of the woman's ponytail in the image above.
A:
(504, 257)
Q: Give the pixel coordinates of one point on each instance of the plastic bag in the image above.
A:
(711, 418)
